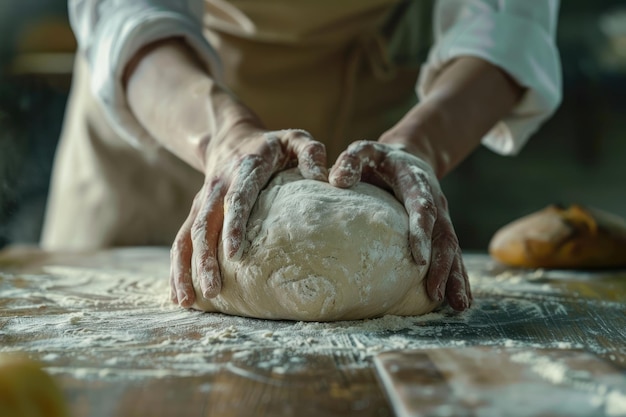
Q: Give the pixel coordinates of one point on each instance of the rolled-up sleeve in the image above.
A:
(516, 35)
(111, 32)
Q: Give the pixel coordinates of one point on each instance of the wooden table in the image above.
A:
(101, 324)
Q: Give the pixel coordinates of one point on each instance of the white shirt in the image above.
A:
(515, 35)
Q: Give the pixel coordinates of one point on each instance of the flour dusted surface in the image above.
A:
(315, 252)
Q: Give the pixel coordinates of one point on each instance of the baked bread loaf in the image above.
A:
(559, 237)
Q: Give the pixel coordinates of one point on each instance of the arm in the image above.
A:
(151, 69)
(111, 32)
(180, 104)
(515, 36)
(493, 75)
(464, 102)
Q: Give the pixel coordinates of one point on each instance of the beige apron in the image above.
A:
(343, 70)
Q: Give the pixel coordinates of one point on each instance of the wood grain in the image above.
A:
(143, 370)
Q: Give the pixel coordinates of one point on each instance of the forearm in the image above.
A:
(463, 104)
(177, 101)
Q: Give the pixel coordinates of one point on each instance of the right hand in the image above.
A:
(432, 239)
(237, 167)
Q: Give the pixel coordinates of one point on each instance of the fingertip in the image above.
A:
(185, 298)
(212, 288)
(346, 172)
(460, 303)
(211, 281)
(458, 292)
(315, 172)
(344, 178)
(312, 161)
(320, 173)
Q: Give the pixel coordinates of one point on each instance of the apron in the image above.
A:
(342, 70)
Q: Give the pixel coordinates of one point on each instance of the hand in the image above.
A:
(238, 167)
(431, 236)
(181, 106)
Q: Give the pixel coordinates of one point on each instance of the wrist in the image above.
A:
(178, 102)
(418, 133)
(231, 136)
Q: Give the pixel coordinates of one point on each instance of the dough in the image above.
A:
(314, 252)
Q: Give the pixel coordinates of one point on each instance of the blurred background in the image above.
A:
(579, 156)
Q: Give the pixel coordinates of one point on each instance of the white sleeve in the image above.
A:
(517, 36)
(109, 34)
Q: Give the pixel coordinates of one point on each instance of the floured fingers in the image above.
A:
(252, 173)
(310, 154)
(181, 284)
(348, 169)
(205, 233)
(458, 291)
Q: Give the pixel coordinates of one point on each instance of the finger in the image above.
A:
(205, 233)
(457, 287)
(444, 247)
(181, 284)
(253, 173)
(348, 168)
(468, 288)
(411, 185)
(311, 154)
(416, 194)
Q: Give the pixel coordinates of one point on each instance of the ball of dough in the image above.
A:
(314, 252)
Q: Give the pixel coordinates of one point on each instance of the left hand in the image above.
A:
(238, 166)
(431, 235)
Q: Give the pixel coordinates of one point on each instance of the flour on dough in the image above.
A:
(314, 252)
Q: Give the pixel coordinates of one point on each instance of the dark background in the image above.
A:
(579, 156)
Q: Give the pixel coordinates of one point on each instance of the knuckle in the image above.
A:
(211, 184)
(421, 176)
(266, 155)
(251, 163)
(427, 205)
(360, 146)
(180, 245)
(234, 199)
(295, 134)
(273, 143)
(251, 159)
(313, 148)
(198, 229)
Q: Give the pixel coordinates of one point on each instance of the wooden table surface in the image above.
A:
(102, 326)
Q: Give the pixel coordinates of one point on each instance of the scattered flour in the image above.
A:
(122, 320)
